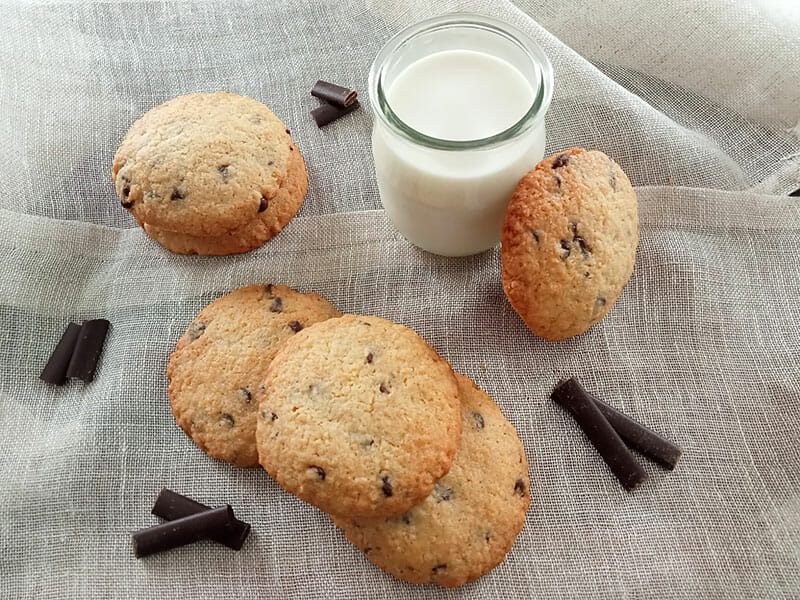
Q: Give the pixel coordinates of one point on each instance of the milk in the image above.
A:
(460, 95)
(453, 202)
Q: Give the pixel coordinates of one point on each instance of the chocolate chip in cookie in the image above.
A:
(562, 160)
(319, 471)
(387, 488)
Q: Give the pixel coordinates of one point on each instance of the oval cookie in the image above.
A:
(469, 523)
(360, 417)
(569, 242)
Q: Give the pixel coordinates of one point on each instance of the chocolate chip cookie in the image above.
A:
(569, 242)
(468, 524)
(359, 417)
(210, 165)
(222, 359)
(251, 235)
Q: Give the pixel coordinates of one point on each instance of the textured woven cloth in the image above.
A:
(700, 107)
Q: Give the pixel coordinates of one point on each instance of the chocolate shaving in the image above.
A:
(55, 371)
(88, 347)
(333, 94)
(573, 398)
(327, 113)
(172, 505)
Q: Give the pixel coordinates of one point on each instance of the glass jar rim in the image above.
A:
(535, 113)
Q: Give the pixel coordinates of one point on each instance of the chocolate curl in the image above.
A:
(334, 94)
(572, 397)
(327, 113)
(172, 505)
(180, 532)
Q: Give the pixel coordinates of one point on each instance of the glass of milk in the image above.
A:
(459, 104)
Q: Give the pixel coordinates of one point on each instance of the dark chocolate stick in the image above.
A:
(172, 505)
(88, 349)
(572, 397)
(326, 113)
(180, 532)
(640, 438)
(333, 94)
(55, 371)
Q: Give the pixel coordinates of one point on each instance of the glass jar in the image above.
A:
(448, 194)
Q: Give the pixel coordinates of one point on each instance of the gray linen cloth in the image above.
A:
(697, 102)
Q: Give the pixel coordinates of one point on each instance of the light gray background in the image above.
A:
(698, 102)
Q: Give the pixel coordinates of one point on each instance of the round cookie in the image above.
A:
(268, 223)
(569, 242)
(360, 417)
(222, 358)
(468, 524)
(202, 164)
